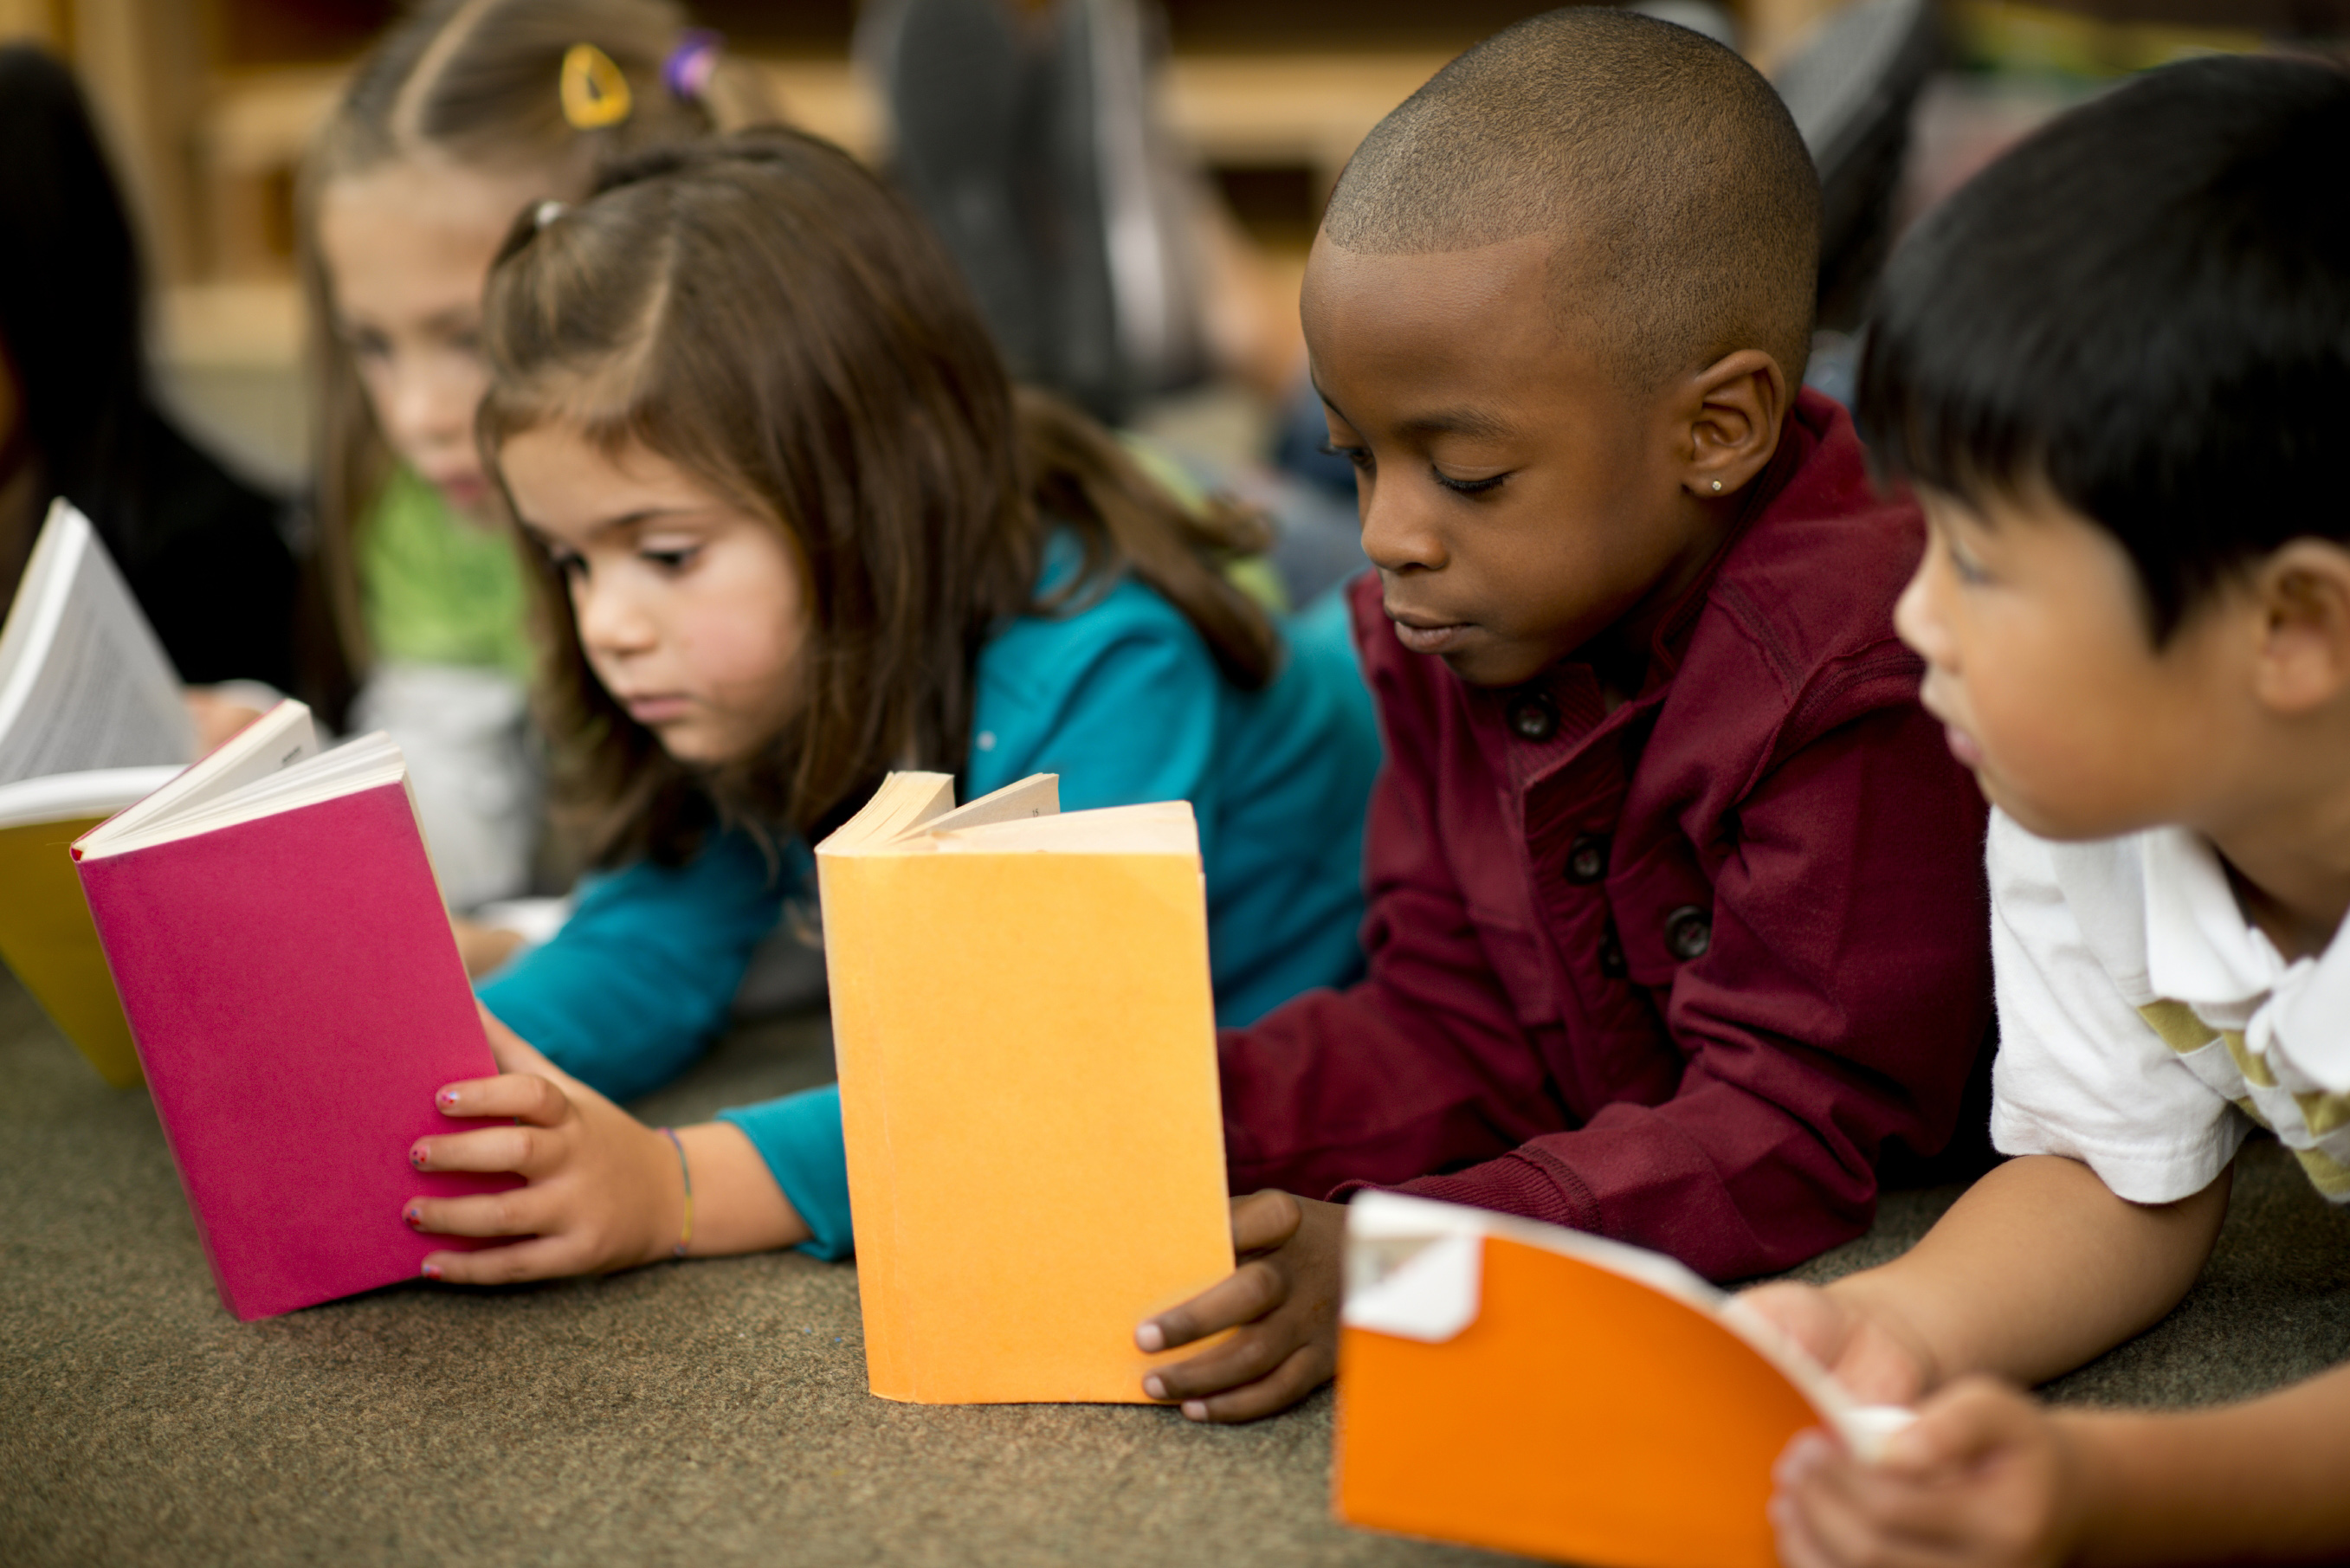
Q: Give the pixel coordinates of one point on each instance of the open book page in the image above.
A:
(277, 741)
(62, 797)
(1159, 828)
(84, 684)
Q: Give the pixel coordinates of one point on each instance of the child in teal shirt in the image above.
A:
(799, 533)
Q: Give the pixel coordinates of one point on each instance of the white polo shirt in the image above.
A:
(2145, 1025)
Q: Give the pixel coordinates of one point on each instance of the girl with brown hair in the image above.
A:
(792, 528)
(462, 116)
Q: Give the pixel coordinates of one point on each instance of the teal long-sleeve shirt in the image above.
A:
(1123, 699)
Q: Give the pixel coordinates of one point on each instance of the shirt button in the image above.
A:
(1611, 956)
(1534, 717)
(1586, 858)
(1687, 932)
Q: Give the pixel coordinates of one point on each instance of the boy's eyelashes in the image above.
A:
(1467, 486)
(1360, 456)
(1967, 569)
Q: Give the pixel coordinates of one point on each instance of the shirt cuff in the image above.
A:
(1526, 1182)
(799, 1137)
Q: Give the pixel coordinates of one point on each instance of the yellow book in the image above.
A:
(45, 934)
(90, 721)
(1025, 1033)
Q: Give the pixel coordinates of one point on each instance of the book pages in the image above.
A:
(84, 684)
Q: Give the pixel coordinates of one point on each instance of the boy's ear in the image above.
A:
(1730, 414)
(2303, 596)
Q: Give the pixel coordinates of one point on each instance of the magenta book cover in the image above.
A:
(296, 997)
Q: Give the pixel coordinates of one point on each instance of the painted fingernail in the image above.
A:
(413, 1214)
(416, 1157)
(445, 1098)
(1155, 1386)
(1195, 1409)
(1151, 1336)
(431, 1271)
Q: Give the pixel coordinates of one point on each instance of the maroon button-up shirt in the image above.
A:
(1677, 973)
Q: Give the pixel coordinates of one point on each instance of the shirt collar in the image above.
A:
(2202, 950)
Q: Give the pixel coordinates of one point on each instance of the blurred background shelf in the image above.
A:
(208, 103)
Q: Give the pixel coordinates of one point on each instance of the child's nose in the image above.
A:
(1397, 536)
(611, 621)
(1915, 622)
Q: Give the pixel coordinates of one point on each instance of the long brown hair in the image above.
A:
(475, 82)
(762, 313)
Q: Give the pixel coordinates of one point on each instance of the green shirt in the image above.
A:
(437, 589)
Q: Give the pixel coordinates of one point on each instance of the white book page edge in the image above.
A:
(40, 603)
(366, 762)
(1158, 827)
(61, 797)
(278, 739)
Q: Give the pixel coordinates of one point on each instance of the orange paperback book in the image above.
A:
(1509, 1384)
(1025, 1033)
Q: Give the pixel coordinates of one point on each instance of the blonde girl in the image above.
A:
(794, 529)
(462, 116)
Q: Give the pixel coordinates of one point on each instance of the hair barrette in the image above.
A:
(691, 65)
(546, 214)
(595, 93)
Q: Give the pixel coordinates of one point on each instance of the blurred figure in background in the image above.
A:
(203, 551)
(465, 115)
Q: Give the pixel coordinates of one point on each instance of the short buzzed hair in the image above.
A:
(1684, 206)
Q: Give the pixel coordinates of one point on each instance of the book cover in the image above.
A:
(296, 997)
(1508, 1384)
(45, 935)
(92, 719)
(1026, 1041)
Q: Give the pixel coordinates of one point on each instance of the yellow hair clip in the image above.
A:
(595, 93)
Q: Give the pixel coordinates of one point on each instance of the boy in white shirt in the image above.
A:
(2117, 368)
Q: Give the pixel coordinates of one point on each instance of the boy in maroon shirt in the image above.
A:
(1678, 919)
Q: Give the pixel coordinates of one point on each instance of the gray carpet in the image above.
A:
(710, 1412)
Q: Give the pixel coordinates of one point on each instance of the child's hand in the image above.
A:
(1875, 1355)
(1985, 1478)
(605, 1192)
(218, 719)
(1282, 1302)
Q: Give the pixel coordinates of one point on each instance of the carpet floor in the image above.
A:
(715, 1413)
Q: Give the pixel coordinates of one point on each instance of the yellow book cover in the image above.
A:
(1025, 1034)
(90, 719)
(45, 935)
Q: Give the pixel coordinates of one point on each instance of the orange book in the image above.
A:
(1508, 1384)
(1025, 1034)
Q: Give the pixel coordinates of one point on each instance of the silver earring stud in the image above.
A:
(1717, 487)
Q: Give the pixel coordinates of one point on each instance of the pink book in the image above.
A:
(276, 931)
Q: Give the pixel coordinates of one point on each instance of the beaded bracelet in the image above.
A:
(687, 1171)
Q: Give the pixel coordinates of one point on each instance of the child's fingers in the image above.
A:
(1296, 1377)
(1263, 1221)
(526, 1151)
(1840, 1515)
(1965, 1421)
(520, 1096)
(1243, 1358)
(541, 1258)
(1246, 1294)
(522, 1212)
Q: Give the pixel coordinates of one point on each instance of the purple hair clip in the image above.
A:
(691, 65)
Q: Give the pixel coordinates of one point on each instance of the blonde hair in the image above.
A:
(476, 83)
